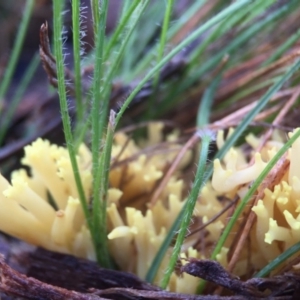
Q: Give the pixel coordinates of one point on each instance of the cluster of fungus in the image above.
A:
(42, 206)
(277, 225)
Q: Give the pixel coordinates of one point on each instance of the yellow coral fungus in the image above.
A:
(278, 222)
(43, 207)
(33, 218)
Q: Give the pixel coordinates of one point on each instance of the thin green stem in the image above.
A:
(161, 50)
(77, 61)
(206, 103)
(120, 28)
(116, 62)
(203, 119)
(96, 16)
(278, 261)
(98, 120)
(189, 208)
(57, 27)
(164, 246)
(7, 117)
(117, 59)
(16, 50)
(101, 177)
(104, 182)
(146, 60)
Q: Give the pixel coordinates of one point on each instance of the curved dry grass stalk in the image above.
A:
(272, 179)
(189, 144)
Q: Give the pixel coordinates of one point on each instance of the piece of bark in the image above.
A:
(131, 294)
(285, 286)
(77, 274)
(62, 269)
(17, 284)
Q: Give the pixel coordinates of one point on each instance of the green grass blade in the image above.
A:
(101, 177)
(16, 50)
(206, 103)
(105, 157)
(262, 6)
(187, 15)
(98, 119)
(146, 60)
(211, 22)
(120, 28)
(5, 120)
(203, 118)
(96, 16)
(140, 8)
(150, 276)
(189, 207)
(278, 261)
(231, 22)
(57, 27)
(77, 61)
(160, 54)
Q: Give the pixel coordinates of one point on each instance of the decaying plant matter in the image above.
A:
(88, 281)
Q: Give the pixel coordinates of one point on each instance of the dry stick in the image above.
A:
(246, 66)
(276, 65)
(238, 234)
(272, 179)
(214, 218)
(234, 118)
(190, 25)
(238, 73)
(190, 143)
(280, 116)
(247, 101)
(268, 125)
(131, 128)
(149, 151)
(231, 121)
(17, 284)
(240, 113)
(266, 113)
(219, 289)
(249, 75)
